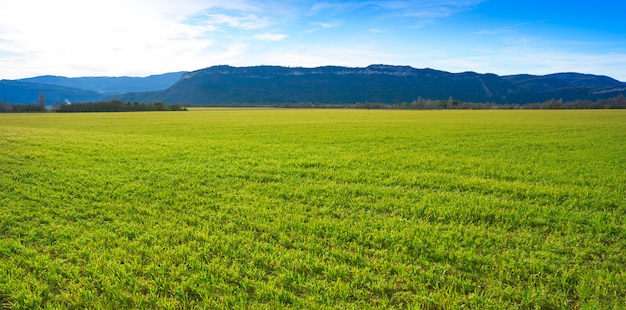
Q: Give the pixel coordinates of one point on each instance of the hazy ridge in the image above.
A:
(224, 85)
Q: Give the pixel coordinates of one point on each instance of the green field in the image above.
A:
(308, 209)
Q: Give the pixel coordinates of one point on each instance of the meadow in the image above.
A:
(313, 209)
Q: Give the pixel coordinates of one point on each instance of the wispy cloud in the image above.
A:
(440, 9)
(74, 38)
(245, 21)
(70, 37)
(312, 56)
(505, 29)
(316, 26)
(403, 13)
(326, 25)
(429, 9)
(533, 60)
(420, 14)
(320, 7)
(270, 36)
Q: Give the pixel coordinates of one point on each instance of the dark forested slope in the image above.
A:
(376, 83)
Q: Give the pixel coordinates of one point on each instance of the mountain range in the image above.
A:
(59, 89)
(260, 85)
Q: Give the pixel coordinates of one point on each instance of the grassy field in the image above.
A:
(307, 209)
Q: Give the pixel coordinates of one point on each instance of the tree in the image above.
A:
(42, 102)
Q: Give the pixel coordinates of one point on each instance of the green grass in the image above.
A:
(307, 209)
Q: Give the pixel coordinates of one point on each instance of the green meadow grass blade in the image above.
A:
(307, 209)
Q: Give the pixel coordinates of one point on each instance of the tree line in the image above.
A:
(41, 107)
(20, 108)
(618, 102)
(105, 106)
(118, 106)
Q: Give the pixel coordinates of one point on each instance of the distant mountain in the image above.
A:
(331, 84)
(16, 92)
(260, 85)
(223, 85)
(111, 85)
(562, 80)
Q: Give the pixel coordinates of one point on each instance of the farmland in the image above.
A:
(306, 209)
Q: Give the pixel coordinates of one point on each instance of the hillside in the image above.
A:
(16, 92)
(111, 85)
(376, 83)
(263, 85)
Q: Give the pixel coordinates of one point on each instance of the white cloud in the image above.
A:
(141, 37)
(319, 7)
(437, 9)
(323, 25)
(113, 37)
(531, 60)
(344, 55)
(326, 25)
(245, 22)
(504, 29)
(422, 9)
(413, 14)
(270, 36)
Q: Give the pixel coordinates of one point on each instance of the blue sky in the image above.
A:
(143, 37)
